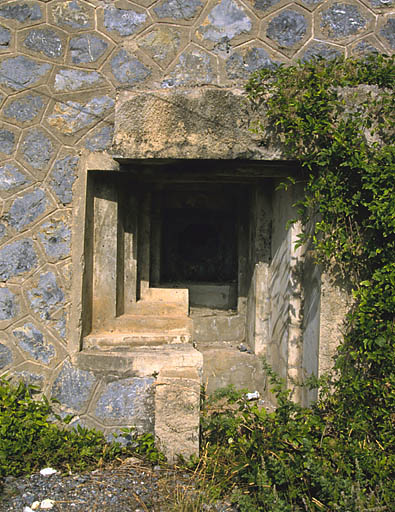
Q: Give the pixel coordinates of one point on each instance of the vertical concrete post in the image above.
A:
(143, 246)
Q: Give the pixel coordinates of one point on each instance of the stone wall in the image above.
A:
(62, 64)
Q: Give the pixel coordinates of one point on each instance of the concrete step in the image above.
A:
(158, 308)
(117, 341)
(152, 324)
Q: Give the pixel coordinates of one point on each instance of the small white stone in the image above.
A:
(253, 396)
(27, 509)
(47, 504)
(48, 471)
(35, 505)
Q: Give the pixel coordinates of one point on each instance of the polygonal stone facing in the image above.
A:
(45, 41)
(242, 63)
(72, 116)
(16, 258)
(87, 48)
(63, 176)
(5, 37)
(342, 20)
(73, 387)
(22, 72)
(21, 11)
(127, 69)
(5, 356)
(24, 109)
(37, 149)
(8, 304)
(7, 141)
(31, 340)
(100, 139)
(224, 22)
(11, 177)
(125, 22)
(177, 10)
(388, 32)
(74, 79)
(47, 297)
(264, 5)
(55, 237)
(26, 209)
(193, 67)
(323, 50)
(161, 44)
(72, 13)
(125, 400)
(287, 28)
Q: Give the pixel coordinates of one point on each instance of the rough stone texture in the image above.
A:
(73, 387)
(162, 44)
(323, 50)
(16, 258)
(87, 48)
(364, 48)
(100, 139)
(342, 20)
(127, 401)
(47, 297)
(264, 5)
(26, 209)
(29, 378)
(241, 64)
(388, 32)
(8, 304)
(127, 69)
(5, 37)
(71, 13)
(178, 10)
(31, 340)
(55, 237)
(287, 28)
(226, 21)
(194, 67)
(21, 11)
(123, 21)
(45, 41)
(37, 149)
(5, 356)
(72, 116)
(25, 109)
(2, 231)
(22, 72)
(60, 327)
(74, 79)
(7, 141)
(154, 125)
(63, 177)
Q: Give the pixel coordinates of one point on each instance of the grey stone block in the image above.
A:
(55, 237)
(62, 178)
(193, 68)
(388, 32)
(100, 139)
(16, 258)
(323, 50)
(128, 69)
(73, 116)
(125, 400)
(5, 37)
(226, 21)
(31, 340)
(342, 20)
(60, 327)
(240, 66)
(71, 14)
(2, 231)
(22, 72)
(11, 177)
(21, 12)
(264, 5)
(37, 149)
(124, 21)
(73, 387)
(26, 209)
(24, 109)
(87, 48)
(5, 356)
(29, 378)
(47, 297)
(7, 141)
(8, 304)
(287, 28)
(74, 79)
(44, 41)
(177, 10)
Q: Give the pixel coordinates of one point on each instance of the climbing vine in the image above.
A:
(337, 119)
